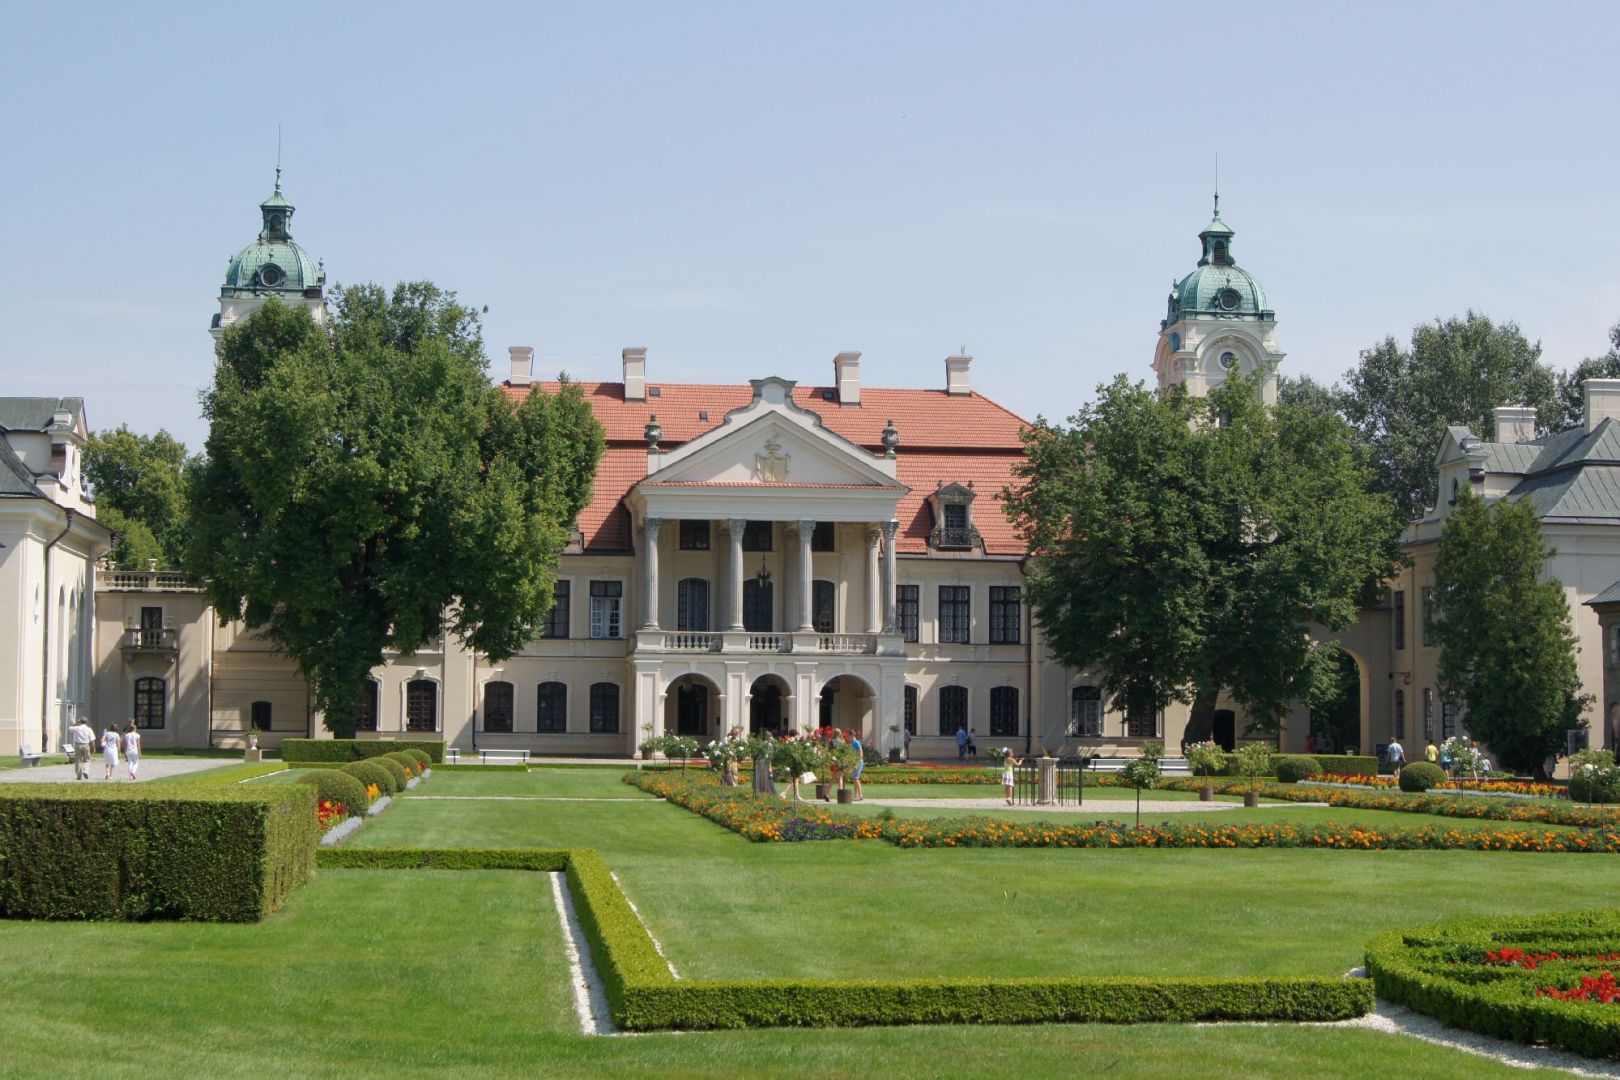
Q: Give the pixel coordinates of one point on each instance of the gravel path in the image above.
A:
(152, 768)
(1111, 806)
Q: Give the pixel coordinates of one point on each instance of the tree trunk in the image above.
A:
(1201, 722)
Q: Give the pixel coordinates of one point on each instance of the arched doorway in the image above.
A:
(692, 707)
(847, 702)
(1338, 705)
(768, 706)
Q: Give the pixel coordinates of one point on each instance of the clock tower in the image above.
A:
(271, 266)
(1218, 321)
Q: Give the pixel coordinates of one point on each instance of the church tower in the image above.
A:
(1217, 321)
(271, 266)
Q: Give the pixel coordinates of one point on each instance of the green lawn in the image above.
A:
(462, 973)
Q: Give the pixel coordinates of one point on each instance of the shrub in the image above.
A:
(355, 749)
(411, 766)
(396, 771)
(339, 786)
(1420, 776)
(1594, 777)
(149, 851)
(371, 772)
(1347, 764)
(422, 760)
(1292, 768)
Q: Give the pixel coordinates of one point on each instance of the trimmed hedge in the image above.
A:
(396, 771)
(420, 757)
(1348, 764)
(645, 996)
(340, 787)
(1441, 971)
(1292, 768)
(370, 772)
(1420, 776)
(218, 854)
(405, 761)
(355, 749)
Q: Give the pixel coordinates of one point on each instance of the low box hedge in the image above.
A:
(301, 750)
(220, 854)
(1348, 764)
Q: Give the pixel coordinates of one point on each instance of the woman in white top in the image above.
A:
(1008, 777)
(109, 750)
(132, 749)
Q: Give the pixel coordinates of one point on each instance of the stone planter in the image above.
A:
(1206, 793)
(894, 756)
(845, 795)
(824, 792)
(1251, 798)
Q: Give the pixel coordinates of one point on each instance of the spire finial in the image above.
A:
(1217, 185)
(278, 159)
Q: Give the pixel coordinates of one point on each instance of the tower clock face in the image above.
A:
(270, 275)
(1228, 299)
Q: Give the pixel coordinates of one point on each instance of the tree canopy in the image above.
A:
(1401, 399)
(1572, 383)
(365, 488)
(1507, 653)
(140, 487)
(1182, 546)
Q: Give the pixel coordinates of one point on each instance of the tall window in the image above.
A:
(1428, 613)
(911, 710)
(692, 604)
(604, 708)
(694, 535)
(151, 633)
(557, 618)
(149, 704)
(553, 711)
(1400, 715)
(1085, 712)
(498, 706)
(1141, 722)
(1428, 710)
(607, 600)
(757, 536)
(1448, 719)
(421, 705)
(1400, 618)
(952, 709)
(824, 537)
(1005, 615)
(823, 606)
(366, 718)
(955, 602)
(905, 611)
(757, 606)
(259, 716)
(1004, 711)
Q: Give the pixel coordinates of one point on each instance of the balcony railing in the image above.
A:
(688, 641)
(769, 643)
(847, 643)
(149, 639)
(148, 581)
(949, 538)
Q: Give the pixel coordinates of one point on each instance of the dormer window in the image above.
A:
(953, 518)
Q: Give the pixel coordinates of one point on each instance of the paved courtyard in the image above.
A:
(153, 768)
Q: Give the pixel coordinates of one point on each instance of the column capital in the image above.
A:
(652, 524)
(806, 526)
(874, 533)
(736, 525)
(890, 527)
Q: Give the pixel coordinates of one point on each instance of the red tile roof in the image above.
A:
(944, 438)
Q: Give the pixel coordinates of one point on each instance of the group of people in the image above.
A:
(1395, 754)
(765, 784)
(966, 745)
(81, 737)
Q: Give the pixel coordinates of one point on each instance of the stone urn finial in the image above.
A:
(891, 439)
(653, 431)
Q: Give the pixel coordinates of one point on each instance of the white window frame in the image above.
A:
(607, 621)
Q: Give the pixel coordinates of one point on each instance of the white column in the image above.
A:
(649, 572)
(890, 529)
(807, 530)
(874, 594)
(734, 527)
(790, 577)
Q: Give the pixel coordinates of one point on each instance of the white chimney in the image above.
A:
(522, 364)
(635, 373)
(1602, 401)
(847, 377)
(1515, 424)
(956, 374)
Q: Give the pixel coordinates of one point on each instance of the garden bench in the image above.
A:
(503, 757)
(28, 758)
(452, 755)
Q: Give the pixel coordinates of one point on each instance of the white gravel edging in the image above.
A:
(341, 831)
(590, 1001)
(379, 806)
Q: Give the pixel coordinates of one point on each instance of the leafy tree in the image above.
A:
(1507, 652)
(1307, 392)
(1572, 384)
(1455, 372)
(1333, 695)
(1183, 545)
(366, 489)
(140, 485)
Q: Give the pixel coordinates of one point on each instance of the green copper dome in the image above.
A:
(273, 263)
(1218, 288)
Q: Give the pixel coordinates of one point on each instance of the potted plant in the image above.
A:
(1142, 772)
(1254, 761)
(799, 757)
(843, 758)
(1206, 759)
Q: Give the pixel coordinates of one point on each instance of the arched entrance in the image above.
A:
(692, 707)
(1339, 708)
(850, 703)
(768, 706)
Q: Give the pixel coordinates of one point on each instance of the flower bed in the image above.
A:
(1493, 787)
(1535, 979)
(766, 819)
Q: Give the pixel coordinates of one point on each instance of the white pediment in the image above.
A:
(769, 451)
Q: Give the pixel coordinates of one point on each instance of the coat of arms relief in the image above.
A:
(771, 467)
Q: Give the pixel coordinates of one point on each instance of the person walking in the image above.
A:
(132, 750)
(109, 750)
(961, 741)
(1397, 756)
(860, 764)
(973, 745)
(1431, 753)
(80, 736)
(1008, 777)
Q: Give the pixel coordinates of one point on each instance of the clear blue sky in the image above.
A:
(749, 188)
